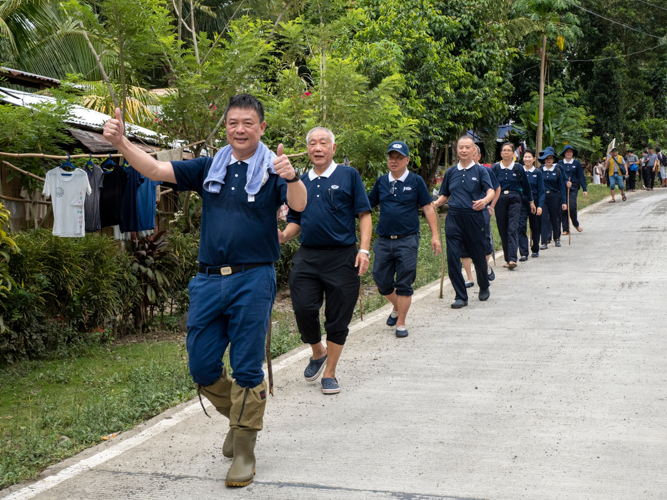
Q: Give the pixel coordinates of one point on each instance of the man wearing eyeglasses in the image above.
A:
(400, 193)
(328, 262)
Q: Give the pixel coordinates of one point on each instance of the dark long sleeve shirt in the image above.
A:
(513, 179)
(536, 185)
(574, 173)
(554, 181)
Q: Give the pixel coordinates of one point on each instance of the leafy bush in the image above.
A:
(67, 290)
(185, 247)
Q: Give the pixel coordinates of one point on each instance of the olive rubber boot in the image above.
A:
(242, 471)
(220, 394)
(246, 419)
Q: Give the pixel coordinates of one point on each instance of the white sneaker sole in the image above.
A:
(317, 375)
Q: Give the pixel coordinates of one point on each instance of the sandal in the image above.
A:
(612, 201)
(625, 198)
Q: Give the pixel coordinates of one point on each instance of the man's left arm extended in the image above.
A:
(365, 228)
(432, 219)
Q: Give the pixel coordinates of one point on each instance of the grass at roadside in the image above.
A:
(595, 194)
(50, 410)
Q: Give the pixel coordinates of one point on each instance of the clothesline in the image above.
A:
(56, 157)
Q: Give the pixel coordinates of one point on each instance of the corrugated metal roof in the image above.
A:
(80, 115)
(23, 75)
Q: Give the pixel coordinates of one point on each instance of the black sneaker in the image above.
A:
(470, 284)
(484, 295)
(535, 255)
(401, 334)
(544, 247)
(523, 258)
(492, 275)
(315, 368)
(557, 243)
(459, 303)
(391, 320)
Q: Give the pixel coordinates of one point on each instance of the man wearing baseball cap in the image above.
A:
(400, 193)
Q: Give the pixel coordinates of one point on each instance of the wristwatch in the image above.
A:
(365, 251)
(295, 178)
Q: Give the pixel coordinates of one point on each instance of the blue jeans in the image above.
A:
(230, 310)
(616, 180)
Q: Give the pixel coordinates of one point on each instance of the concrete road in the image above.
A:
(556, 388)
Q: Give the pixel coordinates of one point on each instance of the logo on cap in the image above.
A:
(397, 146)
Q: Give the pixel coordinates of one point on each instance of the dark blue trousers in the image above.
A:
(551, 216)
(573, 211)
(508, 212)
(230, 310)
(465, 230)
(535, 229)
(395, 264)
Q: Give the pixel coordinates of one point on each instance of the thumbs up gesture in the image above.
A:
(114, 129)
(282, 165)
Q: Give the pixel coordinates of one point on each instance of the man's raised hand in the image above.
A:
(114, 129)
(282, 165)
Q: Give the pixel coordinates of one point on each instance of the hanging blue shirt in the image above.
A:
(536, 182)
(465, 185)
(399, 200)
(554, 182)
(575, 173)
(335, 198)
(234, 230)
(146, 200)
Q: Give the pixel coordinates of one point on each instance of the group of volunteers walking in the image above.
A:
(652, 163)
(520, 196)
(231, 298)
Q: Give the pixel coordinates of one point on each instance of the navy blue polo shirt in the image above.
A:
(575, 173)
(399, 210)
(554, 182)
(233, 229)
(513, 179)
(464, 186)
(536, 185)
(334, 200)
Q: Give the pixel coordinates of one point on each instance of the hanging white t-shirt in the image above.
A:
(68, 192)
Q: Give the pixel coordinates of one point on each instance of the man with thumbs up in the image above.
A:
(231, 297)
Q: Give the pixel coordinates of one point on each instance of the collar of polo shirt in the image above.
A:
(531, 170)
(472, 164)
(327, 173)
(507, 168)
(569, 162)
(400, 179)
(553, 166)
(247, 161)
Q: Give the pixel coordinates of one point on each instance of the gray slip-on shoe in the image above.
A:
(315, 368)
(330, 386)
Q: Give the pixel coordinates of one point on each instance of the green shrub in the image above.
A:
(68, 290)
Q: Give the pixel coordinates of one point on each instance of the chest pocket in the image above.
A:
(337, 198)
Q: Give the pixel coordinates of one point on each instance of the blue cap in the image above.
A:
(399, 147)
(548, 152)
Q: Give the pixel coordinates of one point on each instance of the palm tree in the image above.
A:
(547, 20)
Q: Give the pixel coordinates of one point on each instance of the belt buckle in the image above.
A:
(393, 237)
(226, 271)
(506, 192)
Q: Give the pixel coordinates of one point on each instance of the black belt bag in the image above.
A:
(227, 270)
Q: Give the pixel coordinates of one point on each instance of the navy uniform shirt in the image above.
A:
(512, 178)
(574, 173)
(400, 200)
(554, 181)
(536, 185)
(465, 185)
(233, 229)
(334, 200)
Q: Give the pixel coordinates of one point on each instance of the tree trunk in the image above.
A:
(179, 10)
(122, 67)
(430, 163)
(540, 112)
(194, 32)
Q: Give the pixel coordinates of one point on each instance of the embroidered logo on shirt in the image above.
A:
(534, 175)
(334, 186)
(514, 175)
(474, 178)
(407, 188)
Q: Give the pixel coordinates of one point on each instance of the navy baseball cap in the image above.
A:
(399, 147)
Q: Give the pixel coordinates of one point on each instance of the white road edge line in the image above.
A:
(88, 463)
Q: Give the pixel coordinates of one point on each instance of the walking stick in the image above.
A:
(361, 305)
(569, 220)
(442, 256)
(268, 358)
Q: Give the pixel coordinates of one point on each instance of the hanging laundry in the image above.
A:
(117, 235)
(130, 219)
(92, 205)
(146, 204)
(111, 195)
(67, 191)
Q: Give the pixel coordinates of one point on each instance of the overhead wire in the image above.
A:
(652, 5)
(611, 20)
